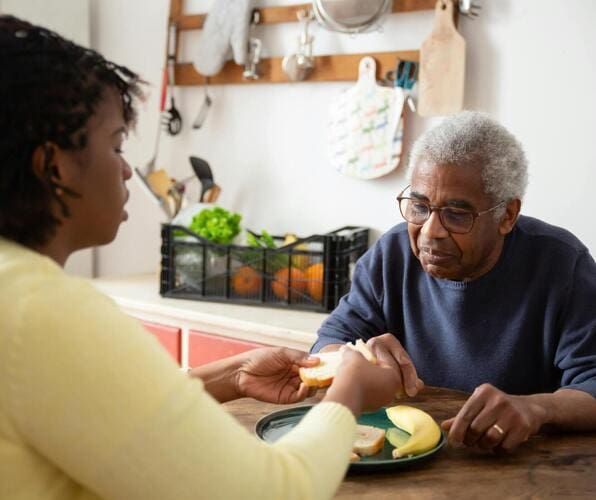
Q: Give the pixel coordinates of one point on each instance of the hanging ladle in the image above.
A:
(299, 66)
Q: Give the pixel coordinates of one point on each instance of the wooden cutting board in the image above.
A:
(442, 66)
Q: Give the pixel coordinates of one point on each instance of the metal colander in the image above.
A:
(350, 16)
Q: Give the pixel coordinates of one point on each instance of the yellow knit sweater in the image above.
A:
(91, 406)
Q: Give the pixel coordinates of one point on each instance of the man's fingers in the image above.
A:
(512, 439)
(390, 351)
(447, 424)
(492, 437)
(386, 360)
(464, 418)
(480, 426)
(409, 375)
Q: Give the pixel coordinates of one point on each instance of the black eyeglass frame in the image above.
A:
(433, 208)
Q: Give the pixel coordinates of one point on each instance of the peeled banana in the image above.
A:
(424, 431)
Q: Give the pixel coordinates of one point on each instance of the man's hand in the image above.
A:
(271, 375)
(390, 352)
(492, 419)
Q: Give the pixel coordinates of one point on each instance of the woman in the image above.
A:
(90, 405)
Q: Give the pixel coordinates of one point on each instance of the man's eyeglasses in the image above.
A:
(455, 220)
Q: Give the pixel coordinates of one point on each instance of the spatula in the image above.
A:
(442, 66)
(203, 171)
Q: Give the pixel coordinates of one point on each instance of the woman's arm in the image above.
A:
(219, 377)
(99, 399)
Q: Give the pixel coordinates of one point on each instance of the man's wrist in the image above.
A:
(542, 407)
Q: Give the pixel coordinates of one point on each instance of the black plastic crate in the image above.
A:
(311, 273)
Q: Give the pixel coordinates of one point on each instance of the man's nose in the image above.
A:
(433, 227)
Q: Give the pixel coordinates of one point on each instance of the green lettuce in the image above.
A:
(216, 225)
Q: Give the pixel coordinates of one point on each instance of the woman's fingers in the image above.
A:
(300, 358)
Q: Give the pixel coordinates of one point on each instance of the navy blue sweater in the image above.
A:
(527, 326)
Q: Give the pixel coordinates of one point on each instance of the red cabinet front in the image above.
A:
(168, 336)
(203, 348)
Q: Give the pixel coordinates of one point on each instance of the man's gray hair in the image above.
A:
(473, 139)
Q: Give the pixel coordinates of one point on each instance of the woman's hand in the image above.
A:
(361, 385)
(270, 374)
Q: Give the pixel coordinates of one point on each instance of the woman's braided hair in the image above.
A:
(49, 88)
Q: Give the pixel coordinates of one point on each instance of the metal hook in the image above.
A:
(468, 8)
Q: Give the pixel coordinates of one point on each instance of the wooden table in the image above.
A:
(554, 465)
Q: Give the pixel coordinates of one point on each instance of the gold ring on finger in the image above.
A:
(498, 428)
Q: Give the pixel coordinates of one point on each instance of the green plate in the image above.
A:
(273, 426)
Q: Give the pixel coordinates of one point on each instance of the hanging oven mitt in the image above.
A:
(226, 27)
(365, 127)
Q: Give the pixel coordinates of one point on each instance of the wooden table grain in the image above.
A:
(548, 465)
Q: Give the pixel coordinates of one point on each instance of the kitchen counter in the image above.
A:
(138, 296)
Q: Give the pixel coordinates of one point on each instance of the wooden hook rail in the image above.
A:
(288, 13)
(335, 67)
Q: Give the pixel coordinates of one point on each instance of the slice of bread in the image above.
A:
(369, 440)
(363, 349)
(322, 374)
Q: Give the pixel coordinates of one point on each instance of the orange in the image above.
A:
(246, 281)
(279, 286)
(314, 281)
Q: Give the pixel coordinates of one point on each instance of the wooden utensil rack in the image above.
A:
(335, 67)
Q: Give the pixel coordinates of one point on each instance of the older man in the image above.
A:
(470, 295)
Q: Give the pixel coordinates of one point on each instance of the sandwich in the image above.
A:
(322, 374)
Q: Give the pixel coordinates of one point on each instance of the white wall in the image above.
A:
(529, 65)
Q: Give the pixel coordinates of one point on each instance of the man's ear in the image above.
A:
(510, 216)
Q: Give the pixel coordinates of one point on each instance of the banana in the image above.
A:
(299, 261)
(424, 431)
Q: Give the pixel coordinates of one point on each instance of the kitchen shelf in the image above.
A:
(332, 67)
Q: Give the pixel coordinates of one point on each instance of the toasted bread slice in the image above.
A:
(322, 374)
(369, 441)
